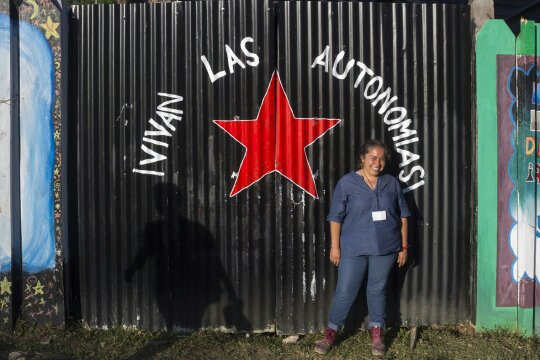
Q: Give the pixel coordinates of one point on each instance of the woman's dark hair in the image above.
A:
(367, 146)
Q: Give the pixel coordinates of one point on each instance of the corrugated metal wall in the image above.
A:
(177, 249)
(196, 256)
(422, 52)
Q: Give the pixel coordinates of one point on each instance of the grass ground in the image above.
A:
(436, 342)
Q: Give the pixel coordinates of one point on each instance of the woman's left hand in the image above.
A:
(402, 258)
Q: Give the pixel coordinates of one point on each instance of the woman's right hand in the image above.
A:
(335, 254)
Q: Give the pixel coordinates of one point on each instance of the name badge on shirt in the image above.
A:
(378, 215)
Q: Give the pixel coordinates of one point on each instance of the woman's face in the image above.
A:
(374, 161)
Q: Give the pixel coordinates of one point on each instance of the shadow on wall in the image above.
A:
(397, 277)
(188, 274)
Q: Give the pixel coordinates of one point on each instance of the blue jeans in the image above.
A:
(350, 276)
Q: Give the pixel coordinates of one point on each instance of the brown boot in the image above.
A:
(322, 346)
(377, 341)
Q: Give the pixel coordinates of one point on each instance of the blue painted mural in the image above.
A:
(5, 208)
(37, 149)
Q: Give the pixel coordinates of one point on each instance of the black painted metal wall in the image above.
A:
(418, 54)
(173, 225)
(170, 250)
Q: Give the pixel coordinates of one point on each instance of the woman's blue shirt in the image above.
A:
(354, 202)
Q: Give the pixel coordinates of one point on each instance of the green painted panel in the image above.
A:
(525, 42)
(507, 195)
(494, 38)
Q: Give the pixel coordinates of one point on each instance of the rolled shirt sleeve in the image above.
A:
(338, 209)
(402, 202)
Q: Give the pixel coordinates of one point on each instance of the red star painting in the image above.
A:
(276, 141)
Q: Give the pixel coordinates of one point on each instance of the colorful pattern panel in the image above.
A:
(40, 160)
(518, 179)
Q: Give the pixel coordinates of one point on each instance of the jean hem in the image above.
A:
(333, 326)
(377, 324)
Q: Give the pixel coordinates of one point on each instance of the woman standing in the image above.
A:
(368, 231)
